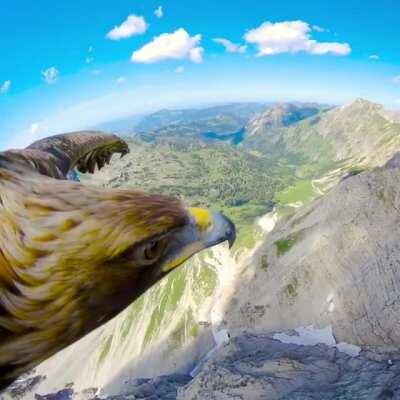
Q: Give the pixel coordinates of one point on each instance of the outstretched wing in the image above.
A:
(55, 156)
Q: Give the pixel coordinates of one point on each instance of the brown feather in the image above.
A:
(55, 156)
(61, 270)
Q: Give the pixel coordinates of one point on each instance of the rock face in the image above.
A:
(255, 367)
(162, 388)
(334, 263)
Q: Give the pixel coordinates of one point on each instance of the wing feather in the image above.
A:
(56, 155)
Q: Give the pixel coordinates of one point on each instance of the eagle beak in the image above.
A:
(206, 229)
(213, 227)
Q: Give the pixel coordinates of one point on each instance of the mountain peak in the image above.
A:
(361, 103)
(281, 115)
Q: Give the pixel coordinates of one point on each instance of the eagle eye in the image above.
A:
(153, 249)
(146, 253)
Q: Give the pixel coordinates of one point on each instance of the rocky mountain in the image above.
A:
(362, 131)
(334, 263)
(224, 123)
(328, 276)
(305, 303)
(281, 115)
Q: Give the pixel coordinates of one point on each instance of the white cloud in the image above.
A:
(89, 60)
(396, 79)
(5, 87)
(120, 80)
(318, 28)
(132, 26)
(159, 12)
(50, 75)
(90, 49)
(178, 45)
(374, 57)
(291, 37)
(180, 70)
(230, 47)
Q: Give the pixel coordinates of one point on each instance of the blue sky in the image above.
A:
(64, 66)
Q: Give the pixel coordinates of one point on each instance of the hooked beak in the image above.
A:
(205, 229)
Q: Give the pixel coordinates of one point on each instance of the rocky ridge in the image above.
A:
(258, 367)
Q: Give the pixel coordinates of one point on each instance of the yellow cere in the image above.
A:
(202, 216)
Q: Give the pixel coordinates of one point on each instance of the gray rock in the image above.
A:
(23, 386)
(394, 162)
(255, 367)
(340, 267)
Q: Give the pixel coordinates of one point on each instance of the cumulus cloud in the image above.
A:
(396, 79)
(318, 28)
(159, 12)
(120, 80)
(230, 47)
(178, 45)
(291, 37)
(5, 86)
(180, 70)
(133, 25)
(50, 75)
(374, 57)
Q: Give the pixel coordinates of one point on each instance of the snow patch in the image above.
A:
(310, 336)
(268, 221)
(330, 298)
(331, 304)
(221, 337)
(350, 349)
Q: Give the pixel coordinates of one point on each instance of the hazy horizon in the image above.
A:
(50, 126)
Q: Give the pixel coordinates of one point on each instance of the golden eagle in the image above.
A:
(73, 256)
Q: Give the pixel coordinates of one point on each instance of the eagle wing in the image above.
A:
(55, 156)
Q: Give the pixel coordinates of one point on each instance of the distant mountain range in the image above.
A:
(222, 118)
(361, 131)
(320, 133)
